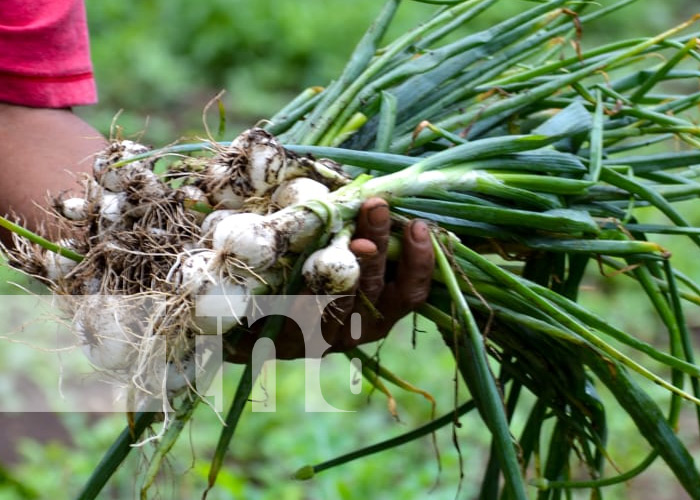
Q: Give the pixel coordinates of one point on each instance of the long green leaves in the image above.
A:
(470, 352)
(309, 471)
(536, 157)
(650, 421)
(273, 326)
(332, 98)
(116, 454)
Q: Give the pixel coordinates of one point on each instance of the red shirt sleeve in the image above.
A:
(45, 54)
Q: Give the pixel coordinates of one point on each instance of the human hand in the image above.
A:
(391, 294)
(391, 299)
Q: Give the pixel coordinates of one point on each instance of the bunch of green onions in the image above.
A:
(514, 145)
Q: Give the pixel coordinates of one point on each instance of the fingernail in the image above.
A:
(419, 231)
(378, 215)
(362, 256)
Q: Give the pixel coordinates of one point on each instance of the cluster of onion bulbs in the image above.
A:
(226, 223)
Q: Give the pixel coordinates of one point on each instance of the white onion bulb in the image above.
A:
(109, 341)
(180, 375)
(219, 188)
(73, 208)
(333, 269)
(297, 228)
(217, 298)
(113, 206)
(247, 237)
(142, 188)
(298, 190)
(195, 272)
(57, 266)
(266, 161)
(211, 220)
(116, 179)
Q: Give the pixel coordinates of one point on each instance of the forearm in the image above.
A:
(41, 151)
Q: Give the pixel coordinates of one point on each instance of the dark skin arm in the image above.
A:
(41, 150)
(46, 149)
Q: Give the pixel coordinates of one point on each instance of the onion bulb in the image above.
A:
(249, 238)
(195, 272)
(113, 206)
(180, 374)
(211, 220)
(252, 165)
(333, 269)
(142, 188)
(215, 297)
(266, 165)
(298, 190)
(116, 178)
(104, 327)
(56, 266)
(219, 188)
(297, 227)
(75, 208)
(264, 159)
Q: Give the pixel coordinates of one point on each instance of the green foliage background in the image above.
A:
(164, 59)
(160, 61)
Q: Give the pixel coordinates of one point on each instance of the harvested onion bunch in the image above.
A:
(225, 224)
(529, 166)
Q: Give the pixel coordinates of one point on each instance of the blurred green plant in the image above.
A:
(162, 61)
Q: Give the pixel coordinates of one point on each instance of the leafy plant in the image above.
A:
(531, 156)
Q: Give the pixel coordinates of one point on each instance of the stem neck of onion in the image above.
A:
(408, 182)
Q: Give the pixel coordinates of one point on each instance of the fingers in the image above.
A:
(416, 266)
(374, 223)
(389, 301)
(399, 297)
(300, 336)
(370, 245)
